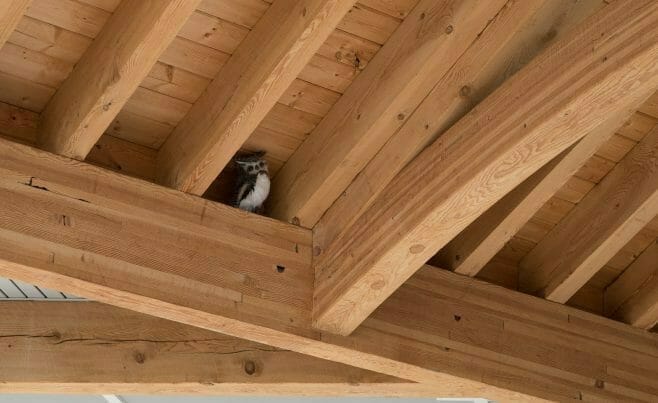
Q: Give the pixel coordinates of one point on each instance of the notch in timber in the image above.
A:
(31, 184)
(65, 220)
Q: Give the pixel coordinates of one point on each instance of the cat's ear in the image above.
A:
(259, 154)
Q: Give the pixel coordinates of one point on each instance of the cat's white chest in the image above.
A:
(257, 196)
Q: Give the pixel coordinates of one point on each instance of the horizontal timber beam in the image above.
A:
(607, 63)
(109, 72)
(77, 228)
(420, 51)
(260, 70)
(247, 261)
(91, 348)
(10, 14)
(474, 247)
(609, 216)
(633, 297)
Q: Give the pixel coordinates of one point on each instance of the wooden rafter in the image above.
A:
(606, 64)
(156, 251)
(10, 14)
(597, 228)
(378, 102)
(109, 72)
(470, 251)
(50, 347)
(245, 90)
(500, 50)
(111, 152)
(633, 297)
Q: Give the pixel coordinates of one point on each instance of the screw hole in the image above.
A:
(457, 318)
(280, 269)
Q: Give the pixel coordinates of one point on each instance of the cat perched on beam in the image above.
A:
(252, 183)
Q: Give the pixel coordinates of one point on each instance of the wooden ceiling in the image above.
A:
(511, 141)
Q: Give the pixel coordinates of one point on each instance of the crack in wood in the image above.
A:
(31, 184)
(101, 341)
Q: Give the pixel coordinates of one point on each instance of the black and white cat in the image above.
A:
(253, 182)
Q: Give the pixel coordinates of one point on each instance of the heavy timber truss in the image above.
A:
(464, 198)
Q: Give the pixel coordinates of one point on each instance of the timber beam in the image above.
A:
(606, 64)
(109, 72)
(50, 347)
(597, 228)
(89, 232)
(378, 102)
(475, 67)
(258, 73)
(633, 297)
(10, 14)
(474, 247)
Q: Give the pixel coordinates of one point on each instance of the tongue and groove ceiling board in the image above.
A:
(362, 107)
(53, 35)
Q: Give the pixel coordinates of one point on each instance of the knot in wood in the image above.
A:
(378, 285)
(249, 367)
(139, 358)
